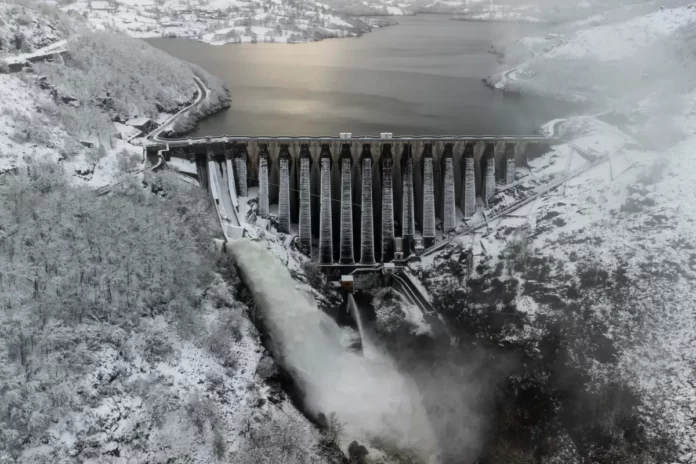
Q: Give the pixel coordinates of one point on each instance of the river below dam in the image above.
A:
(421, 77)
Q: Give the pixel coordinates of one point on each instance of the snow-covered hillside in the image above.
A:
(79, 108)
(220, 21)
(146, 353)
(594, 282)
(24, 30)
(123, 336)
(592, 60)
(481, 10)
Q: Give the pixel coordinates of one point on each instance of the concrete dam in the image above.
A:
(361, 200)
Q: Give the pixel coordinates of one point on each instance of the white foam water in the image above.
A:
(367, 394)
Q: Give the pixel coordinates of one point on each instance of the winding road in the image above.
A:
(203, 92)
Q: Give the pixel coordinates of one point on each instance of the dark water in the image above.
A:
(422, 77)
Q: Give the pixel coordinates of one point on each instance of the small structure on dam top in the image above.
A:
(358, 201)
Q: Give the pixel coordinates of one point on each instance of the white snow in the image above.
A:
(626, 39)
(56, 47)
(221, 22)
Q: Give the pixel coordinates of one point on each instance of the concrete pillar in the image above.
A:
(449, 220)
(499, 155)
(202, 169)
(428, 197)
(240, 169)
(284, 191)
(468, 204)
(367, 238)
(509, 163)
(489, 160)
(264, 159)
(346, 230)
(387, 162)
(293, 149)
(521, 151)
(408, 227)
(305, 202)
(325, 229)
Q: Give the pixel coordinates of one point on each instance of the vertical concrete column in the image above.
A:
(499, 155)
(264, 159)
(202, 170)
(293, 149)
(408, 228)
(367, 237)
(449, 220)
(346, 238)
(241, 157)
(305, 201)
(521, 151)
(325, 228)
(210, 163)
(469, 198)
(229, 150)
(284, 192)
(428, 197)
(489, 160)
(387, 161)
(509, 163)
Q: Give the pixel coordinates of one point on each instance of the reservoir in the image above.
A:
(421, 77)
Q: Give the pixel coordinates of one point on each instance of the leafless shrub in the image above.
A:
(201, 412)
(517, 250)
(127, 162)
(279, 440)
(160, 401)
(219, 343)
(332, 430)
(157, 348)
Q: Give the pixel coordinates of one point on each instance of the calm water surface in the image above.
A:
(422, 77)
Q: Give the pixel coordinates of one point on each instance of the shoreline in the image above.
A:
(501, 20)
(380, 22)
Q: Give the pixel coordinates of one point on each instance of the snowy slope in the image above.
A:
(592, 60)
(24, 30)
(157, 387)
(626, 39)
(220, 21)
(72, 108)
(608, 256)
(640, 212)
(611, 250)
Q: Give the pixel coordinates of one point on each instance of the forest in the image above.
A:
(90, 285)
